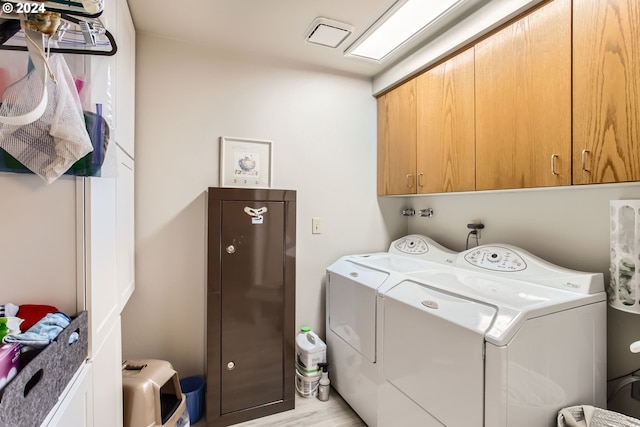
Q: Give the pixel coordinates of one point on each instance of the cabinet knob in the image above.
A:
(230, 366)
(584, 160)
(553, 164)
(231, 249)
(409, 180)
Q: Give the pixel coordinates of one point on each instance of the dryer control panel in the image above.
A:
(413, 244)
(422, 247)
(515, 262)
(496, 258)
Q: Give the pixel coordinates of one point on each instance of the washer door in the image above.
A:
(433, 347)
(352, 291)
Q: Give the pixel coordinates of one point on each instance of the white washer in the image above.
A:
(492, 336)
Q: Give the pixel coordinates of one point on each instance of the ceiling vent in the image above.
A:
(326, 32)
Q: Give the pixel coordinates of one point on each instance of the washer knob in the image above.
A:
(494, 257)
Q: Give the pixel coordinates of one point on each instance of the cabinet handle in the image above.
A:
(231, 249)
(409, 180)
(231, 366)
(420, 183)
(553, 164)
(584, 160)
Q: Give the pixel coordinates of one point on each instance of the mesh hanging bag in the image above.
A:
(49, 144)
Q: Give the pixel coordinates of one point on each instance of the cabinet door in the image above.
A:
(250, 304)
(397, 140)
(76, 407)
(101, 294)
(606, 95)
(445, 126)
(125, 238)
(125, 75)
(523, 102)
(107, 379)
(252, 318)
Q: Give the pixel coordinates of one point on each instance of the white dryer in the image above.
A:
(493, 336)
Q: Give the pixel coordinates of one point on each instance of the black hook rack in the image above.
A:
(95, 37)
(72, 7)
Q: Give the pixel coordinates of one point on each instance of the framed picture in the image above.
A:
(245, 162)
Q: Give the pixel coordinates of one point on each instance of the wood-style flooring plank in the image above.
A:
(309, 412)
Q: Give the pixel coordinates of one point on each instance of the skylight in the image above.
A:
(405, 20)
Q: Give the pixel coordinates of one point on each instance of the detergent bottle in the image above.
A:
(310, 351)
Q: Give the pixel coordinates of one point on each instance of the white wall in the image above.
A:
(38, 257)
(568, 226)
(323, 128)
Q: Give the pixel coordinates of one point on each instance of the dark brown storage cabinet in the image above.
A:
(250, 304)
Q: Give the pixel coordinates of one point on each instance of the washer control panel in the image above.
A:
(412, 245)
(496, 258)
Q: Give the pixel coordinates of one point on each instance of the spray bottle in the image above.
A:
(323, 386)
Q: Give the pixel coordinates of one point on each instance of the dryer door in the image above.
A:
(433, 347)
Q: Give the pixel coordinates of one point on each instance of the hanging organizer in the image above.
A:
(80, 32)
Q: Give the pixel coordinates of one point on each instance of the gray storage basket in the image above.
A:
(601, 418)
(30, 396)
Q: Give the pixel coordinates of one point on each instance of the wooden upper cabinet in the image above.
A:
(397, 140)
(523, 102)
(606, 94)
(446, 127)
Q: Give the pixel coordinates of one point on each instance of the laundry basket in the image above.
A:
(589, 416)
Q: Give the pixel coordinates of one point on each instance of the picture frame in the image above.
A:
(245, 162)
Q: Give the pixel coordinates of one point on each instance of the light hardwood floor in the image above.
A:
(309, 412)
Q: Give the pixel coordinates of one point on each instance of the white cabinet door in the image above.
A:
(76, 407)
(125, 239)
(101, 294)
(107, 380)
(125, 74)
